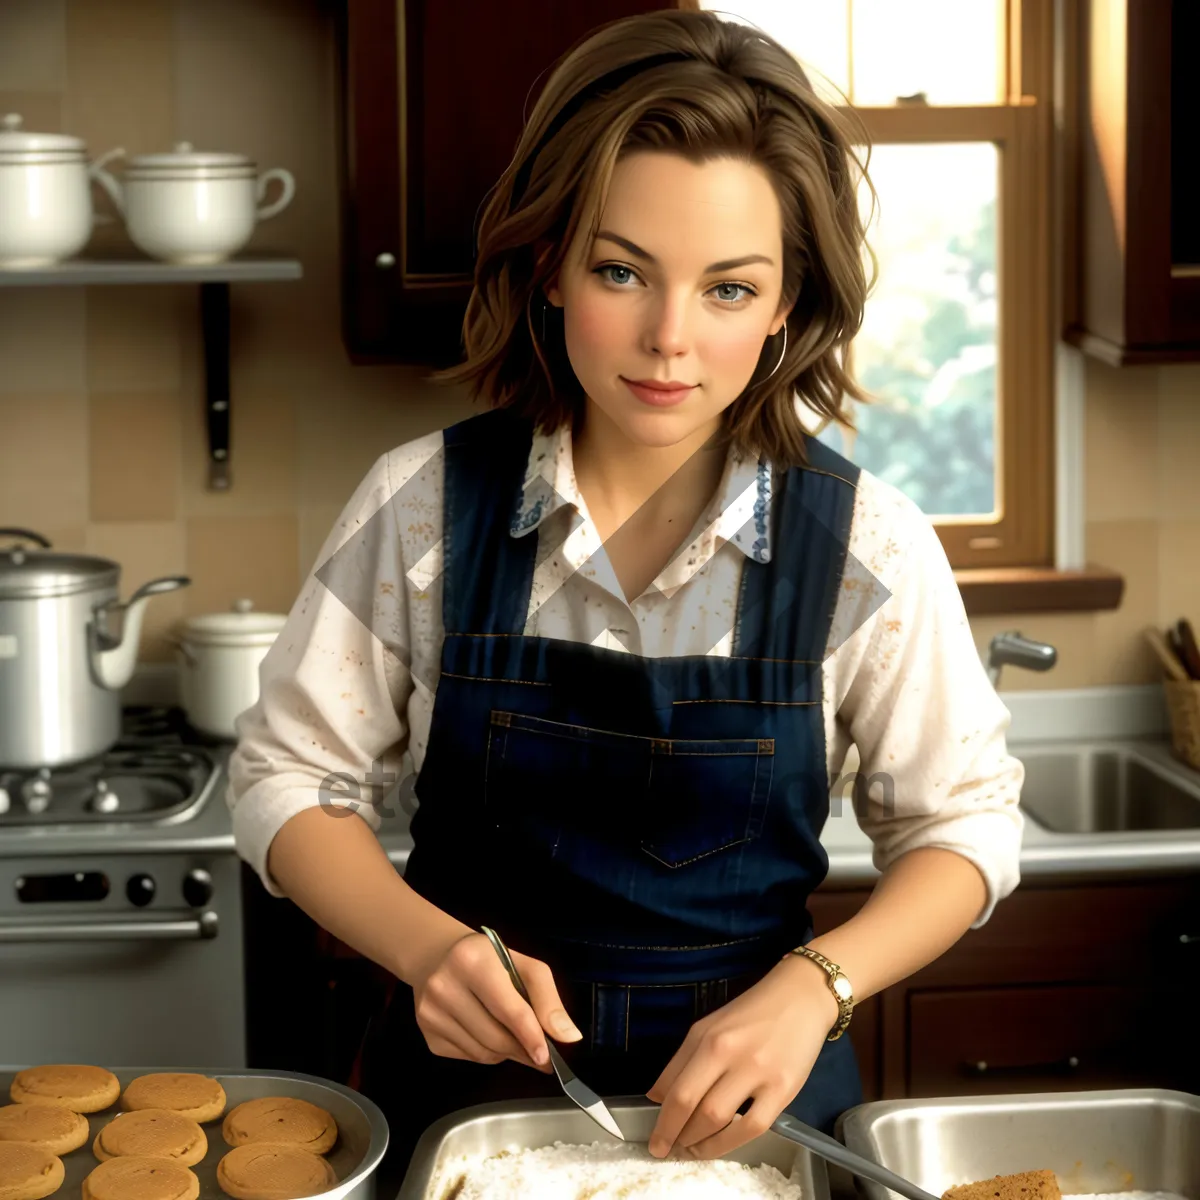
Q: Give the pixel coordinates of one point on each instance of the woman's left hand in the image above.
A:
(758, 1047)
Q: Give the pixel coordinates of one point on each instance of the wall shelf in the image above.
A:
(214, 280)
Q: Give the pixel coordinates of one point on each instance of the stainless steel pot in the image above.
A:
(61, 665)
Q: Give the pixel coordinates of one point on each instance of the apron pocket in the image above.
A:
(677, 799)
(705, 796)
(542, 777)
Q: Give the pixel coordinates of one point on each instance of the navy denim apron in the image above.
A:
(649, 827)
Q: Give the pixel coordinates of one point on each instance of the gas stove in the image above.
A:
(159, 770)
(121, 905)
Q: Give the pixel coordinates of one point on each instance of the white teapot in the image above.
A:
(46, 210)
(193, 208)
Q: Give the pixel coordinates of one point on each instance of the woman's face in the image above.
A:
(682, 284)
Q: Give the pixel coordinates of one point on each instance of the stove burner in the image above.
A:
(153, 726)
(158, 766)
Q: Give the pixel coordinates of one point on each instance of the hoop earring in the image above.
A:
(781, 354)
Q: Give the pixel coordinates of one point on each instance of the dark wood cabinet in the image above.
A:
(1131, 212)
(1030, 1039)
(434, 99)
(1064, 988)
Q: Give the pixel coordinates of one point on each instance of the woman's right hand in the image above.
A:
(467, 1007)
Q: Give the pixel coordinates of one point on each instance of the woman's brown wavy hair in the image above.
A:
(688, 83)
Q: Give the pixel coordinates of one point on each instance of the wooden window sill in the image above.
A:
(1039, 589)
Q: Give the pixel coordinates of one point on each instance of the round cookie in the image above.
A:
(152, 1133)
(69, 1085)
(266, 1171)
(196, 1096)
(139, 1177)
(284, 1120)
(28, 1172)
(47, 1126)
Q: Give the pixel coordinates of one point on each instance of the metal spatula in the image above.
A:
(833, 1151)
(574, 1087)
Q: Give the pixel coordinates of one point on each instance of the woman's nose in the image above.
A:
(669, 333)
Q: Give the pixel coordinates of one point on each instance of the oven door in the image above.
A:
(115, 961)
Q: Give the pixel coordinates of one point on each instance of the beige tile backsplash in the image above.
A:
(44, 459)
(33, 46)
(135, 337)
(102, 433)
(43, 340)
(1122, 444)
(239, 556)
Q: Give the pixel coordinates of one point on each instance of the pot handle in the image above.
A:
(289, 190)
(110, 607)
(177, 640)
(109, 184)
(168, 583)
(28, 534)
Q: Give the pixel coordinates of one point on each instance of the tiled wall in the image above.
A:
(1142, 450)
(102, 443)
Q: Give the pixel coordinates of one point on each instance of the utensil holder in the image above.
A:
(1183, 710)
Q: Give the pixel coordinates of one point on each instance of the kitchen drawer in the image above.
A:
(1039, 1039)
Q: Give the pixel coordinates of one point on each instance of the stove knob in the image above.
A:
(5, 802)
(197, 887)
(36, 792)
(103, 800)
(140, 890)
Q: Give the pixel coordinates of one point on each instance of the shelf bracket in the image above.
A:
(214, 319)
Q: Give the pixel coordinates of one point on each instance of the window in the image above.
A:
(957, 341)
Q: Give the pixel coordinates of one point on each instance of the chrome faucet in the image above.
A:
(1014, 650)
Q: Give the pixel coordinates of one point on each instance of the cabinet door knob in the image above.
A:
(385, 261)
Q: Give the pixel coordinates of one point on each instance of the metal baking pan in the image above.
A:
(1137, 1139)
(530, 1124)
(362, 1130)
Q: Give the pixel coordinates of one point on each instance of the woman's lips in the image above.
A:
(658, 397)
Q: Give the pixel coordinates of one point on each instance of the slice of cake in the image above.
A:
(1028, 1185)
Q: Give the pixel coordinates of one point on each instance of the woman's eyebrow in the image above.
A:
(728, 264)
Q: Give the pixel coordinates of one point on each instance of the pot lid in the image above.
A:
(239, 626)
(183, 158)
(27, 573)
(15, 142)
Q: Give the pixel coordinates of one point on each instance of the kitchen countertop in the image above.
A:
(1045, 855)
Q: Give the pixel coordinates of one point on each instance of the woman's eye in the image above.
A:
(737, 287)
(602, 271)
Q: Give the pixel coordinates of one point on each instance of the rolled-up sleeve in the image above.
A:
(328, 725)
(928, 725)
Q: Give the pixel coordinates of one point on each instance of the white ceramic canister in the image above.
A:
(219, 656)
(46, 212)
(193, 208)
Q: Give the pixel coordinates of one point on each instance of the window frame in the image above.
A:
(1021, 125)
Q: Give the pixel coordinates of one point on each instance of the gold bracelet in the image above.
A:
(839, 985)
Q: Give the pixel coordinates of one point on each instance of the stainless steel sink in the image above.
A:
(1105, 789)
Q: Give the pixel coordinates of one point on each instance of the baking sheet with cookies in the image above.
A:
(361, 1141)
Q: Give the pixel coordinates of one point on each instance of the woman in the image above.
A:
(627, 634)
